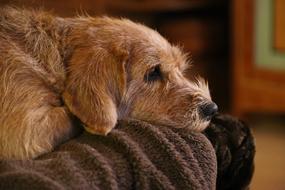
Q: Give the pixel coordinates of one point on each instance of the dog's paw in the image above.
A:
(98, 130)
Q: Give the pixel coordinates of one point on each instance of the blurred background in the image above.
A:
(237, 45)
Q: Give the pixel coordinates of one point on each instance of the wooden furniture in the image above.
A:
(259, 82)
(279, 25)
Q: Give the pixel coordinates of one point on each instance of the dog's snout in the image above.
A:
(208, 110)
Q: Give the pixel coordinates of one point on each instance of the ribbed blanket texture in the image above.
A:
(135, 155)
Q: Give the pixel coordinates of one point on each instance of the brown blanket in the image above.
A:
(135, 155)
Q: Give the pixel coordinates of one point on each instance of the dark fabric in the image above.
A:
(235, 150)
(135, 155)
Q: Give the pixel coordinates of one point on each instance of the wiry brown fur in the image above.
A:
(97, 67)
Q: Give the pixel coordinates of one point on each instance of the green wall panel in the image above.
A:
(265, 54)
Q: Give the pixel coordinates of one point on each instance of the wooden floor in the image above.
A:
(270, 155)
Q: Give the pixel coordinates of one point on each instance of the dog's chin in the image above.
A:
(203, 125)
(191, 121)
(198, 125)
(195, 125)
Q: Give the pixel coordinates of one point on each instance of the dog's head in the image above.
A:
(119, 69)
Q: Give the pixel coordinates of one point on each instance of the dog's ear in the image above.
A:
(95, 83)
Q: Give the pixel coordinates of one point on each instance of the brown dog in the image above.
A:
(103, 69)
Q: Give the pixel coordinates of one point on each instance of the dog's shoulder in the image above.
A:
(33, 35)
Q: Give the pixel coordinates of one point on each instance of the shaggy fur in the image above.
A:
(97, 69)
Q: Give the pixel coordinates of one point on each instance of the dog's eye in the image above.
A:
(153, 75)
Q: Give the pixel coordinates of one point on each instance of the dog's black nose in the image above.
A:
(208, 110)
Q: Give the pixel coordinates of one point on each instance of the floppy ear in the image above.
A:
(95, 83)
